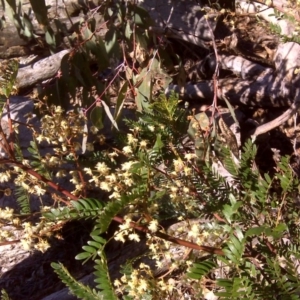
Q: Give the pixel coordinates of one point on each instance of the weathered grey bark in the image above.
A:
(178, 19)
(271, 88)
(183, 19)
(258, 86)
(39, 71)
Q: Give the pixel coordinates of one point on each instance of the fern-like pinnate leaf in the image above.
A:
(95, 248)
(285, 175)
(37, 160)
(198, 270)
(103, 280)
(236, 289)
(81, 209)
(109, 211)
(229, 164)
(248, 176)
(234, 250)
(4, 295)
(76, 288)
(23, 199)
(8, 75)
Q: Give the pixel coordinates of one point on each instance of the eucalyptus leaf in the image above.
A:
(141, 16)
(97, 47)
(50, 38)
(144, 90)
(121, 100)
(41, 11)
(12, 4)
(96, 116)
(128, 30)
(111, 43)
(110, 116)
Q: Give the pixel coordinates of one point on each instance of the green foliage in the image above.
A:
(95, 248)
(236, 288)
(22, 195)
(251, 226)
(159, 176)
(201, 269)
(23, 199)
(81, 209)
(36, 160)
(4, 295)
(127, 29)
(9, 71)
(80, 290)
(286, 15)
(234, 249)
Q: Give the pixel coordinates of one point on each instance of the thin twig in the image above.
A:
(172, 239)
(216, 73)
(11, 130)
(276, 122)
(40, 178)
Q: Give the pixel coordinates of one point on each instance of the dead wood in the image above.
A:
(266, 88)
(39, 71)
(276, 122)
(182, 20)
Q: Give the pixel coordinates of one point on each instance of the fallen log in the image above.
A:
(270, 88)
(14, 44)
(39, 71)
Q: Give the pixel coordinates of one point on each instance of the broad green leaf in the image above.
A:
(50, 38)
(120, 10)
(40, 10)
(111, 43)
(144, 90)
(239, 234)
(95, 244)
(27, 27)
(97, 117)
(142, 39)
(98, 49)
(158, 143)
(141, 17)
(128, 31)
(98, 238)
(121, 100)
(231, 109)
(227, 211)
(281, 227)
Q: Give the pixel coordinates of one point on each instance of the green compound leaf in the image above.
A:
(8, 75)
